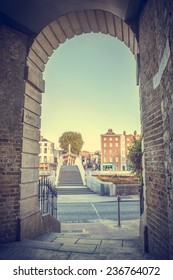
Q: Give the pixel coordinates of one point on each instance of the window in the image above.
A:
(45, 159)
(104, 151)
(116, 139)
(116, 144)
(55, 160)
(104, 138)
(104, 145)
(110, 138)
(110, 159)
(45, 144)
(116, 159)
(45, 150)
(110, 144)
(110, 151)
(104, 159)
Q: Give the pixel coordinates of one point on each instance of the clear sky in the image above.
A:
(90, 87)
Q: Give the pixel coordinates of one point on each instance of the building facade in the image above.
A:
(114, 150)
(48, 157)
(91, 159)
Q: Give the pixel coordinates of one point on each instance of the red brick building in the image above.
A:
(114, 150)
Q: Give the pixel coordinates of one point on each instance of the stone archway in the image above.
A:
(43, 46)
(20, 93)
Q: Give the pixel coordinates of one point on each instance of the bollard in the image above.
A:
(118, 200)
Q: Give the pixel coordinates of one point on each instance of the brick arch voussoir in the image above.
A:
(73, 24)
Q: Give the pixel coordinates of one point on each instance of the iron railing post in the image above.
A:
(47, 196)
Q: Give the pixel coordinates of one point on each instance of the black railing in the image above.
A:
(47, 195)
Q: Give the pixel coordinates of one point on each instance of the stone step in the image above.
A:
(69, 191)
(69, 175)
(69, 184)
(70, 179)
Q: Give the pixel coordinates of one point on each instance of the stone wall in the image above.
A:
(110, 189)
(156, 87)
(13, 56)
(101, 188)
(127, 189)
(20, 99)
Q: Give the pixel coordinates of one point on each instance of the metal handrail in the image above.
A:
(47, 196)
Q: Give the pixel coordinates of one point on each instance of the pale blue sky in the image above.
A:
(90, 87)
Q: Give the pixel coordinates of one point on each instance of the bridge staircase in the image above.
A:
(70, 181)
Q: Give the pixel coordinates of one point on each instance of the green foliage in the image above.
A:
(73, 138)
(135, 158)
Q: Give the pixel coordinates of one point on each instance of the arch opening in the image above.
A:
(67, 97)
(56, 33)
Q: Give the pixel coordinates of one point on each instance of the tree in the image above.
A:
(72, 138)
(135, 157)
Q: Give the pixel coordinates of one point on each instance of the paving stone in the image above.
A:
(6, 253)
(114, 250)
(78, 248)
(113, 243)
(42, 245)
(49, 237)
(131, 243)
(89, 241)
(11, 245)
(37, 254)
(78, 256)
(33, 244)
(73, 234)
(124, 256)
(66, 240)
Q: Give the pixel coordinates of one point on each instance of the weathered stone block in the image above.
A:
(31, 132)
(30, 147)
(32, 118)
(29, 205)
(35, 78)
(29, 175)
(28, 190)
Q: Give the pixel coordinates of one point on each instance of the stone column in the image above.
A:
(30, 216)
